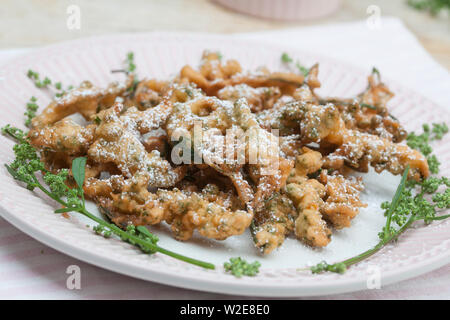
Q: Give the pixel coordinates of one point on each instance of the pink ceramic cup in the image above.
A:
(289, 10)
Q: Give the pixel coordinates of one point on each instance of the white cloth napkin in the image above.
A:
(31, 270)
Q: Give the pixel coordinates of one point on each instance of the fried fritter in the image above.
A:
(273, 222)
(214, 75)
(258, 98)
(307, 195)
(359, 150)
(211, 212)
(218, 150)
(368, 111)
(64, 136)
(309, 225)
(116, 142)
(86, 100)
(341, 201)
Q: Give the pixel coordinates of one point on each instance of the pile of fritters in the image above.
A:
(131, 175)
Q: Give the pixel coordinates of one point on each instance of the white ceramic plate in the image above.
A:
(161, 55)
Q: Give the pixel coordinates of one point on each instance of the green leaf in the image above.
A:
(302, 69)
(441, 217)
(63, 210)
(394, 203)
(144, 231)
(14, 133)
(286, 58)
(11, 171)
(78, 169)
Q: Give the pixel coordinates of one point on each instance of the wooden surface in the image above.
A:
(26, 23)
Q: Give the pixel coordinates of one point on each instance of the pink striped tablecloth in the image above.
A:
(31, 270)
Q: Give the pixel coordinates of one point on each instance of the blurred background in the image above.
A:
(28, 23)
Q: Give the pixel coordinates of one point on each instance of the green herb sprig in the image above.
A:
(27, 165)
(45, 84)
(13, 132)
(422, 141)
(285, 58)
(35, 77)
(32, 107)
(129, 64)
(432, 6)
(240, 267)
(61, 91)
(129, 68)
(413, 201)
